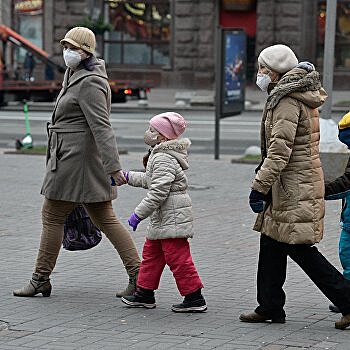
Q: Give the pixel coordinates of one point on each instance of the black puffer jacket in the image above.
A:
(340, 185)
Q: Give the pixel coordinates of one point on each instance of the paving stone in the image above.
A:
(83, 313)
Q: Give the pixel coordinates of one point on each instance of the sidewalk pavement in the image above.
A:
(160, 99)
(82, 312)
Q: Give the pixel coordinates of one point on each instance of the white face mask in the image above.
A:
(151, 137)
(71, 58)
(263, 81)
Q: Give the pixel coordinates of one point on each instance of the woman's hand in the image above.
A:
(118, 178)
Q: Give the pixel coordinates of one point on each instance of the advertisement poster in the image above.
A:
(234, 71)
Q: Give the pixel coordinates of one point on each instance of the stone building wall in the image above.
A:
(62, 14)
(5, 12)
(193, 44)
(290, 22)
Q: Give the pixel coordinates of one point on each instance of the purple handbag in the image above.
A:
(79, 231)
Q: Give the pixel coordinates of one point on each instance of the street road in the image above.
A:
(236, 133)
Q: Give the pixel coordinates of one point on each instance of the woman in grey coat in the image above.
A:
(82, 155)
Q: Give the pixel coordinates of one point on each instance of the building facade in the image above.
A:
(301, 25)
(173, 42)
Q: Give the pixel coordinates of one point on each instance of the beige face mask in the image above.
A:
(151, 137)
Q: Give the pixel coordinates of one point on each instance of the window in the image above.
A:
(140, 33)
(342, 36)
(29, 20)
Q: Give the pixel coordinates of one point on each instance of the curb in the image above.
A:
(122, 151)
(136, 109)
(244, 161)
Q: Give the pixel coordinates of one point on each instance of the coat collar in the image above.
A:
(296, 80)
(72, 77)
(177, 148)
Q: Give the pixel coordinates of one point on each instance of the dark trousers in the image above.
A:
(272, 274)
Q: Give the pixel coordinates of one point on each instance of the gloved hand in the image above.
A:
(308, 66)
(133, 221)
(126, 175)
(118, 178)
(257, 201)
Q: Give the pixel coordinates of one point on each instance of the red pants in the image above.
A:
(175, 252)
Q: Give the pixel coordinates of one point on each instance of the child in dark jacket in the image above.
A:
(340, 189)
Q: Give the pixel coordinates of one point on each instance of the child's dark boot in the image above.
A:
(141, 298)
(193, 302)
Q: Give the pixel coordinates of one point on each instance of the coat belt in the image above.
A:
(52, 131)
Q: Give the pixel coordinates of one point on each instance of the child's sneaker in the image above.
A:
(193, 302)
(141, 298)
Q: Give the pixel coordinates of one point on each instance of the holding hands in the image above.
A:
(120, 177)
(134, 221)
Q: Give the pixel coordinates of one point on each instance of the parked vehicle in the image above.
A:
(21, 84)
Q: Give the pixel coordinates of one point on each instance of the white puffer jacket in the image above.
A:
(167, 201)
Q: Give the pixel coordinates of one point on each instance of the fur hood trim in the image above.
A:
(176, 148)
(173, 145)
(294, 81)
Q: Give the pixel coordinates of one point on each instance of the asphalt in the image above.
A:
(82, 312)
(160, 99)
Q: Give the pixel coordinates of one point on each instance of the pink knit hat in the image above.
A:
(169, 124)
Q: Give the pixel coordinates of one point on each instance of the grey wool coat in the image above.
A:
(167, 201)
(291, 168)
(82, 150)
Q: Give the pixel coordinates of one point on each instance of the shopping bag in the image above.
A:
(79, 231)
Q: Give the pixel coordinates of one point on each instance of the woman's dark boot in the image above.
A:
(334, 308)
(343, 323)
(130, 289)
(38, 284)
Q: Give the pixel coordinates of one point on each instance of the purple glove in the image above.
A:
(133, 221)
(126, 175)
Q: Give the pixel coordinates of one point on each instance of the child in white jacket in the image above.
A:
(171, 220)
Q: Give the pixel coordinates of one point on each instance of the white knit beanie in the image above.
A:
(279, 58)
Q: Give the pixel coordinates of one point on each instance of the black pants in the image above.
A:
(272, 274)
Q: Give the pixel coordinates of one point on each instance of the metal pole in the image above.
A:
(217, 81)
(328, 57)
(218, 91)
